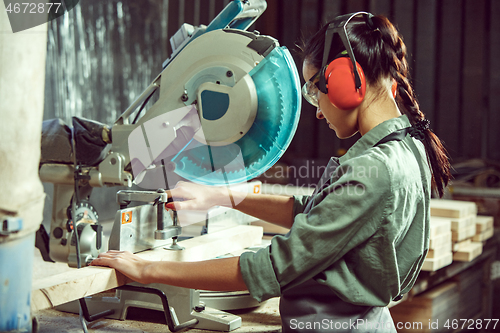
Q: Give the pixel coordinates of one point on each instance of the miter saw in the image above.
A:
(228, 107)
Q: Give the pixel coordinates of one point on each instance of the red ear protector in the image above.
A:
(342, 79)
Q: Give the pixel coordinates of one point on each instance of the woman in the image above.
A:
(360, 240)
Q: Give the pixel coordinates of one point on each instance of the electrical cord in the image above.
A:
(142, 106)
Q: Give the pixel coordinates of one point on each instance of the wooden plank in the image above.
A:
(483, 223)
(469, 253)
(472, 83)
(441, 250)
(462, 244)
(456, 223)
(452, 208)
(435, 242)
(464, 233)
(449, 72)
(439, 227)
(485, 235)
(433, 264)
(78, 283)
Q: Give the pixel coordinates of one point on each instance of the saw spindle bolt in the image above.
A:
(184, 97)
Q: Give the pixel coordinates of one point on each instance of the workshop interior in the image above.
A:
(108, 106)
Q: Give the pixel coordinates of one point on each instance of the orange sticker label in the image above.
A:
(256, 189)
(126, 217)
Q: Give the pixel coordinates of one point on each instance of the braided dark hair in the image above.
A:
(381, 52)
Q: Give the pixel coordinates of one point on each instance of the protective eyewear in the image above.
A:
(310, 90)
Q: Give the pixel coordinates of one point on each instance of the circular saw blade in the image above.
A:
(279, 102)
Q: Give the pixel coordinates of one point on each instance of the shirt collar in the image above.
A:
(375, 135)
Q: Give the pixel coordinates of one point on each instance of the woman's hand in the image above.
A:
(127, 263)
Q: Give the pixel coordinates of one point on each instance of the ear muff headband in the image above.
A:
(329, 79)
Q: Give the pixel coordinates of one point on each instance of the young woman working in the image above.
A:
(360, 240)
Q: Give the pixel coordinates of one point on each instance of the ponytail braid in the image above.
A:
(407, 102)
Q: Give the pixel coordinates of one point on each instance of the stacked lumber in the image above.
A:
(484, 228)
(468, 230)
(440, 246)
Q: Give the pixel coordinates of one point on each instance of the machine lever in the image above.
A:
(88, 317)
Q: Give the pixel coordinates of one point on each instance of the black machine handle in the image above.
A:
(166, 308)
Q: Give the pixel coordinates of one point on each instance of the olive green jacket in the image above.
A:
(367, 233)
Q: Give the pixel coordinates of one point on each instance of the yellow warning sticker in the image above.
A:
(126, 217)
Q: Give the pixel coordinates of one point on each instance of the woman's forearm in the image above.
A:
(217, 274)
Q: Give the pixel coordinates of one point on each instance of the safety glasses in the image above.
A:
(310, 90)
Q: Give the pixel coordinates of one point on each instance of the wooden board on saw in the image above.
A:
(468, 252)
(78, 283)
(452, 208)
